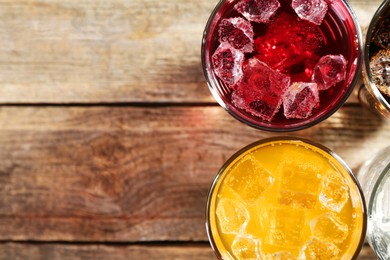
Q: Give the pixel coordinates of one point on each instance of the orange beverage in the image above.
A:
(285, 198)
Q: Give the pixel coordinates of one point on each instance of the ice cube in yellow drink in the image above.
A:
(285, 198)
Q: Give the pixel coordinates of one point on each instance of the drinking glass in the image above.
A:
(285, 198)
(342, 35)
(374, 177)
(369, 94)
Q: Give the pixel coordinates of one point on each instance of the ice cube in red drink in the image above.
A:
(259, 11)
(289, 45)
(227, 62)
(330, 70)
(261, 89)
(238, 32)
(300, 99)
(310, 10)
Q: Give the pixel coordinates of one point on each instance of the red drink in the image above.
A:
(312, 61)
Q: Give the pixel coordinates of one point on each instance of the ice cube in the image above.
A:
(261, 89)
(318, 249)
(238, 32)
(328, 227)
(380, 70)
(334, 192)
(249, 179)
(259, 11)
(330, 70)
(310, 10)
(300, 99)
(246, 247)
(300, 177)
(300, 184)
(227, 63)
(232, 215)
(286, 228)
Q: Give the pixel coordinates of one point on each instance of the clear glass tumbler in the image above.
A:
(374, 177)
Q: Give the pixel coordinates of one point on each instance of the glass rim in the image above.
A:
(370, 206)
(370, 85)
(283, 138)
(213, 85)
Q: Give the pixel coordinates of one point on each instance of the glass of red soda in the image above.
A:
(281, 65)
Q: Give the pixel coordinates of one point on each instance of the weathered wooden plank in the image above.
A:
(44, 251)
(54, 51)
(134, 173)
(102, 51)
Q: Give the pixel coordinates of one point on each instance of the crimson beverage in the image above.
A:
(281, 65)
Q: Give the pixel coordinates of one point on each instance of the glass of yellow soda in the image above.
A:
(286, 198)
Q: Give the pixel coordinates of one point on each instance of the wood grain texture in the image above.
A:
(44, 251)
(85, 51)
(134, 173)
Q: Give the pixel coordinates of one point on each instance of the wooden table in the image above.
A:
(109, 136)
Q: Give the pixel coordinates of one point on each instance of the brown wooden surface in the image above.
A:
(109, 136)
(134, 173)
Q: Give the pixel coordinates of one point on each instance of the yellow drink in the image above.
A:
(285, 199)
